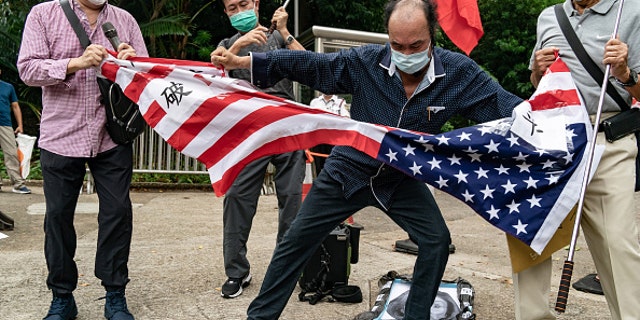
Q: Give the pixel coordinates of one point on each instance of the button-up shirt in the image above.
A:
(73, 120)
(334, 105)
(456, 86)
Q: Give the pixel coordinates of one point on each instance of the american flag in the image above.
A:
(521, 174)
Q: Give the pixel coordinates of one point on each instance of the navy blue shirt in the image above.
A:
(7, 97)
(378, 96)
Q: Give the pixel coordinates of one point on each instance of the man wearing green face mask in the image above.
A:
(241, 200)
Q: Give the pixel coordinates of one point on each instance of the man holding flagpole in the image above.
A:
(609, 216)
(407, 83)
(241, 201)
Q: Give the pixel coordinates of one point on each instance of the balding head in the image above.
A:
(401, 10)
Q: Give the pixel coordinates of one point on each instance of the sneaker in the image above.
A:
(62, 308)
(233, 286)
(115, 308)
(23, 190)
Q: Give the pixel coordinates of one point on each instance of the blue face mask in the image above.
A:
(410, 63)
(244, 21)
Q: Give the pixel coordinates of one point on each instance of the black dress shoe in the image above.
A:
(6, 223)
(408, 246)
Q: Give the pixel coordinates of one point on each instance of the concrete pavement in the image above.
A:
(176, 265)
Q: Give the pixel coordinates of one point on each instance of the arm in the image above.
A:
(91, 57)
(17, 113)
(280, 18)
(35, 65)
(325, 72)
(616, 53)
(256, 36)
(478, 96)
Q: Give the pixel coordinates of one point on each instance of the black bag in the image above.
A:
(124, 120)
(327, 271)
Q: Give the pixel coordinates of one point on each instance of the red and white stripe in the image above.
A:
(225, 123)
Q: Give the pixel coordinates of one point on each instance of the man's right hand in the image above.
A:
(222, 57)
(91, 57)
(542, 59)
(256, 36)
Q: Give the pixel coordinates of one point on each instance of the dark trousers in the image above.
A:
(413, 209)
(318, 161)
(241, 201)
(62, 177)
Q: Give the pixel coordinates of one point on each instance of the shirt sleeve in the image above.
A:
(35, 66)
(137, 41)
(326, 72)
(13, 98)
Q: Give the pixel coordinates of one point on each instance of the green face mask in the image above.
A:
(244, 21)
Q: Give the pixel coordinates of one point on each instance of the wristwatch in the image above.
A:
(633, 79)
(290, 39)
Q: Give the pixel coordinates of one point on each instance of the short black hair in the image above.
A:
(429, 7)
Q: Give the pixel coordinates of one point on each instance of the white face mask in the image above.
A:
(97, 2)
(411, 63)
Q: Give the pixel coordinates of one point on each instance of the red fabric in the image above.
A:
(460, 21)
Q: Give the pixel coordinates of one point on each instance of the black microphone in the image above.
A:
(111, 34)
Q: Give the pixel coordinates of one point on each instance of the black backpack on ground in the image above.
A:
(327, 271)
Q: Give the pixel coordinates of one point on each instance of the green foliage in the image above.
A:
(12, 16)
(171, 178)
(509, 36)
(354, 15)
(175, 25)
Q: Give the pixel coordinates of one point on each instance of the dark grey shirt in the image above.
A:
(283, 88)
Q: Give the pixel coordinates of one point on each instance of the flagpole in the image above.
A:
(567, 270)
(273, 25)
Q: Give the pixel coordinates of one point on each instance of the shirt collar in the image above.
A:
(332, 99)
(601, 7)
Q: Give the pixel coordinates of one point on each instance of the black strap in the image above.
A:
(75, 23)
(588, 63)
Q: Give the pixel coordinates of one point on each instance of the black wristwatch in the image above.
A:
(290, 39)
(633, 79)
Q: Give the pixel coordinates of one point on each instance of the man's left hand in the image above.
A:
(125, 51)
(280, 17)
(615, 54)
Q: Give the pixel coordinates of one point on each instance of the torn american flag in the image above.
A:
(521, 174)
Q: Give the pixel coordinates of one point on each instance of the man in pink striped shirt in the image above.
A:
(73, 135)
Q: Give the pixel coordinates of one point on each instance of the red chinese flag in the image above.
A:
(460, 20)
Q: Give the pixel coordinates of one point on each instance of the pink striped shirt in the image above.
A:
(73, 120)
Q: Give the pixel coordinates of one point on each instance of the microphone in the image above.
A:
(111, 34)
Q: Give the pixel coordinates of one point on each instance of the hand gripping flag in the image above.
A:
(521, 174)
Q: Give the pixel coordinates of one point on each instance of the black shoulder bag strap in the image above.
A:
(588, 63)
(75, 23)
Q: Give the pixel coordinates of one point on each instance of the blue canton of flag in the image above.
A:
(517, 173)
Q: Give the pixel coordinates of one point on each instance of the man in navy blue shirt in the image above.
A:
(407, 83)
(9, 103)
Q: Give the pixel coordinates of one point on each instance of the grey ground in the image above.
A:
(176, 265)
